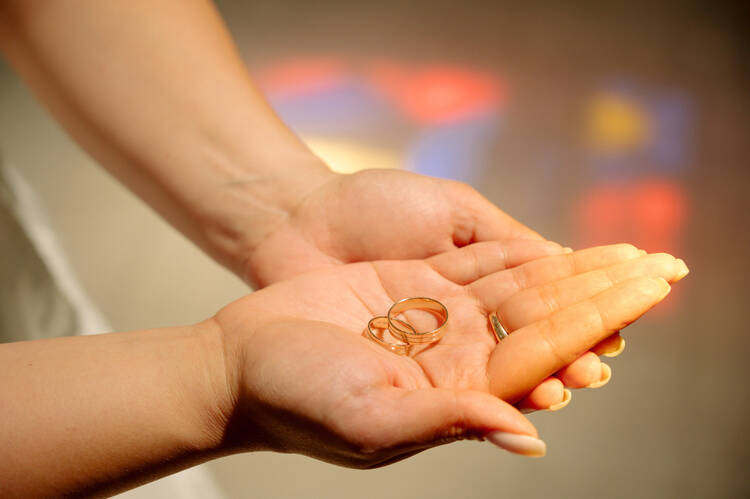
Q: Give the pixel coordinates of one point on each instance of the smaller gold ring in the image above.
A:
(381, 322)
(418, 303)
(497, 328)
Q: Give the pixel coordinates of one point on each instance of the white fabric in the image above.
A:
(193, 483)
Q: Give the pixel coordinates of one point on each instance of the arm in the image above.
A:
(91, 415)
(286, 369)
(157, 93)
(95, 415)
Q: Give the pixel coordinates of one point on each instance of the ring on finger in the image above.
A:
(497, 328)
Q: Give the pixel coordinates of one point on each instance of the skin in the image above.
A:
(377, 215)
(481, 278)
(165, 103)
(195, 139)
(287, 369)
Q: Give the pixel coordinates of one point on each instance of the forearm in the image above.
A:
(93, 414)
(157, 93)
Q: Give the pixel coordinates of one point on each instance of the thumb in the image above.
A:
(437, 415)
(478, 219)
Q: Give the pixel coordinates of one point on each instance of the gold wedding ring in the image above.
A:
(497, 328)
(419, 303)
(381, 322)
(404, 331)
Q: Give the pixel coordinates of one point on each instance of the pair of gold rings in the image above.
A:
(404, 331)
(409, 336)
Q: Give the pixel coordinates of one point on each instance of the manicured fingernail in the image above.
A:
(518, 444)
(616, 348)
(567, 250)
(666, 288)
(682, 269)
(567, 395)
(611, 346)
(604, 379)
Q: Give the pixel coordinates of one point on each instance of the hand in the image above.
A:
(378, 215)
(304, 380)
(390, 214)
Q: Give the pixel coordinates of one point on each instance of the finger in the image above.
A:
(611, 346)
(467, 264)
(532, 304)
(437, 415)
(494, 289)
(584, 372)
(487, 222)
(530, 354)
(606, 375)
(550, 394)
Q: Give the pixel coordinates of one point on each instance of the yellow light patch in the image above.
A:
(349, 157)
(617, 123)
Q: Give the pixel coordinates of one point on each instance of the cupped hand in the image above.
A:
(306, 381)
(378, 215)
(390, 214)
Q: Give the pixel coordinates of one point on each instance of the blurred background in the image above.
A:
(595, 123)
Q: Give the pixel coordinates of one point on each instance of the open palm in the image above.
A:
(308, 382)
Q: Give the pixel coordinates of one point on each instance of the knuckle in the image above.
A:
(571, 262)
(609, 277)
(597, 316)
(519, 277)
(474, 263)
(550, 345)
(627, 250)
(549, 297)
(665, 263)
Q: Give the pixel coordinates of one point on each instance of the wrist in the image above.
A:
(239, 402)
(255, 198)
(212, 389)
(264, 401)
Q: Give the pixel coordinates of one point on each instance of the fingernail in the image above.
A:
(567, 250)
(666, 288)
(604, 379)
(567, 395)
(617, 348)
(682, 269)
(518, 444)
(642, 252)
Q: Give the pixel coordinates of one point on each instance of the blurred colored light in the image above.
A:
(348, 157)
(439, 94)
(302, 77)
(617, 122)
(600, 215)
(457, 109)
(673, 117)
(456, 151)
(650, 213)
(351, 108)
(659, 209)
(634, 131)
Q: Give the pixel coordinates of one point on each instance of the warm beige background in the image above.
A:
(673, 421)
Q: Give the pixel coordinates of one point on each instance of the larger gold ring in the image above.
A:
(419, 303)
(381, 322)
